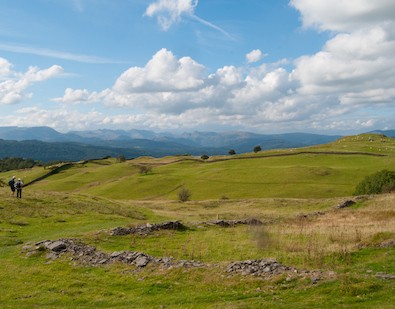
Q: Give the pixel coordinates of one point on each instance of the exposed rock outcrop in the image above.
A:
(148, 228)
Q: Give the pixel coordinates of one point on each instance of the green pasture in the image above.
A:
(34, 281)
(294, 192)
(300, 176)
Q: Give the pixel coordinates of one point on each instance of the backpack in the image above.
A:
(18, 185)
(11, 183)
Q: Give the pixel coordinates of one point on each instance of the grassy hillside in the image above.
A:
(331, 170)
(340, 257)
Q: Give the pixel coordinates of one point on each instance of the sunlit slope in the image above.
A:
(27, 175)
(369, 143)
(317, 172)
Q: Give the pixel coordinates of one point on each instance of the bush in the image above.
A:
(204, 157)
(184, 195)
(145, 169)
(380, 182)
(257, 149)
(121, 159)
(232, 152)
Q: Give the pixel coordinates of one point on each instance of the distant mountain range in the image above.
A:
(46, 144)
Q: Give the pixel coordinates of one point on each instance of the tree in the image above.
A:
(232, 152)
(184, 194)
(145, 169)
(204, 157)
(121, 159)
(257, 149)
(380, 182)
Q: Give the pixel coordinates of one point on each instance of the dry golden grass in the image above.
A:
(266, 209)
(320, 239)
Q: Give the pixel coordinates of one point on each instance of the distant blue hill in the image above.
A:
(47, 144)
(389, 133)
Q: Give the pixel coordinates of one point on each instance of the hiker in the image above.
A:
(11, 183)
(18, 186)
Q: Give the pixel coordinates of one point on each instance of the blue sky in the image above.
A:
(265, 66)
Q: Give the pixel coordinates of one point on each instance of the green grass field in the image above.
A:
(294, 192)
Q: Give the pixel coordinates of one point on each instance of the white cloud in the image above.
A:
(169, 12)
(164, 72)
(344, 16)
(336, 89)
(254, 56)
(13, 88)
(5, 68)
(81, 96)
(352, 63)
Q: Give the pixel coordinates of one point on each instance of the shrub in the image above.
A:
(380, 182)
(145, 169)
(232, 152)
(184, 195)
(120, 159)
(204, 157)
(257, 149)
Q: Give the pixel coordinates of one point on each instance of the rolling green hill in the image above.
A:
(330, 170)
(332, 257)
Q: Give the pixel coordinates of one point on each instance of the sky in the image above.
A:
(263, 66)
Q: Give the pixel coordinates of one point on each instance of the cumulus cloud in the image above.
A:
(14, 85)
(357, 65)
(169, 12)
(81, 96)
(164, 72)
(254, 56)
(344, 16)
(5, 68)
(334, 89)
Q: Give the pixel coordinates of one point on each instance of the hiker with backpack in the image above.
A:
(18, 187)
(11, 183)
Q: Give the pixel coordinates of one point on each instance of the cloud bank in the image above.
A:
(349, 85)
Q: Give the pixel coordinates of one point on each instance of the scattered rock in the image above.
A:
(148, 228)
(258, 267)
(142, 260)
(57, 246)
(390, 243)
(230, 223)
(88, 255)
(344, 204)
(385, 276)
(177, 225)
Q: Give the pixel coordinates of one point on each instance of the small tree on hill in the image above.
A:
(204, 157)
(257, 149)
(232, 152)
(184, 195)
(145, 169)
(121, 159)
